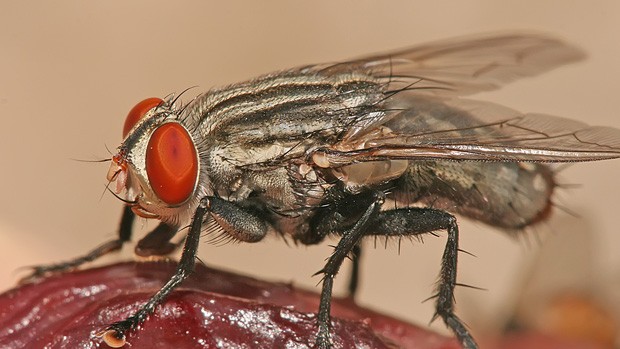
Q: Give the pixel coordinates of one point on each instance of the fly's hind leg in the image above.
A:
(399, 222)
(350, 238)
(124, 235)
(416, 221)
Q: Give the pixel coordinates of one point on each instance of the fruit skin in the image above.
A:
(212, 309)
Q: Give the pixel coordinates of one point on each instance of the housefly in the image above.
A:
(383, 145)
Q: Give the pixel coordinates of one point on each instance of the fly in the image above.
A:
(382, 145)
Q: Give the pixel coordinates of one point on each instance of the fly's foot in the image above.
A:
(34, 273)
(463, 335)
(39, 271)
(114, 336)
(323, 340)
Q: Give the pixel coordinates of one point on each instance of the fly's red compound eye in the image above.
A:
(138, 111)
(171, 163)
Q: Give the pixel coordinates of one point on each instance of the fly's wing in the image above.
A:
(425, 127)
(464, 66)
(419, 118)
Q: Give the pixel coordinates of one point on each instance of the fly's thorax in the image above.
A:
(250, 131)
(159, 163)
(283, 106)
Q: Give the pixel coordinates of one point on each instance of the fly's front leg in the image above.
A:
(234, 220)
(124, 235)
(415, 221)
(347, 243)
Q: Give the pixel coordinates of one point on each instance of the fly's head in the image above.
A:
(157, 163)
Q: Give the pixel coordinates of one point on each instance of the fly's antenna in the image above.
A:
(92, 161)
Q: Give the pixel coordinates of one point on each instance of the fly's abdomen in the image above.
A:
(502, 194)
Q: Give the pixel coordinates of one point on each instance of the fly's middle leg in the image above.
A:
(350, 238)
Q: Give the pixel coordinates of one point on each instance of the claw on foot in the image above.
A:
(113, 338)
(34, 273)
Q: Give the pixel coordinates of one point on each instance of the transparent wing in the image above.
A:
(465, 65)
(425, 127)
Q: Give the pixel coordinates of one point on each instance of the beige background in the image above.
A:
(70, 71)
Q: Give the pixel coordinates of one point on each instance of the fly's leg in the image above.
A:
(444, 306)
(347, 243)
(398, 223)
(234, 220)
(115, 334)
(354, 277)
(124, 235)
(416, 221)
(157, 242)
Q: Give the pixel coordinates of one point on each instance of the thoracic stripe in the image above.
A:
(279, 96)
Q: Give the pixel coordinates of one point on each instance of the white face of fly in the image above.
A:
(156, 165)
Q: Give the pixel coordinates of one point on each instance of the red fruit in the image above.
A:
(212, 309)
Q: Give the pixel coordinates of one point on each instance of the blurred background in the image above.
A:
(71, 70)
